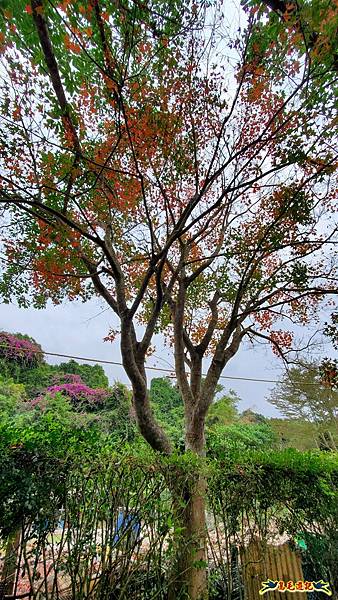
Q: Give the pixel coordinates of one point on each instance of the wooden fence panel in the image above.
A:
(261, 562)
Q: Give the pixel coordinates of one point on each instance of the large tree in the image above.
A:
(309, 393)
(303, 393)
(179, 168)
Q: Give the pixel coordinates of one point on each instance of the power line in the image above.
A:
(149, 368)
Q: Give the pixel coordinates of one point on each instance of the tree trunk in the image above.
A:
(196, 537)
(189, 577)
(191, 565)
(10, 564)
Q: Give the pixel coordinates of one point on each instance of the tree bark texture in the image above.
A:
(10, 564)
(189, 575)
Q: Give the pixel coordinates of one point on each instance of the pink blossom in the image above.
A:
(19, 350)
(78, 392)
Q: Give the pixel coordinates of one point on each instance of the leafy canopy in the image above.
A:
(303, 393)
(118, 128)
(177, 166)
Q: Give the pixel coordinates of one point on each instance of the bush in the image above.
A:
(92, 375)
(81, 396)
(222, 439)
(249, 494)
(12, 397)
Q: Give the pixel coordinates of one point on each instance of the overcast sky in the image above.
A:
(78, 329)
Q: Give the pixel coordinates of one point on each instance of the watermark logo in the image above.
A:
(295, 586)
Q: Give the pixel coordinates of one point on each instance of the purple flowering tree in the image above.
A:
(81, 395)
(20, 349)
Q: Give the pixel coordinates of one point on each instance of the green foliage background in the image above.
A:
(48, 448)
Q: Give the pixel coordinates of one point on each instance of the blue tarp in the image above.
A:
(127, 526)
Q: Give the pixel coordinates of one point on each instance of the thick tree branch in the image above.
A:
(202, 347)
(98, 284)
(46, 45)
(224, 352)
